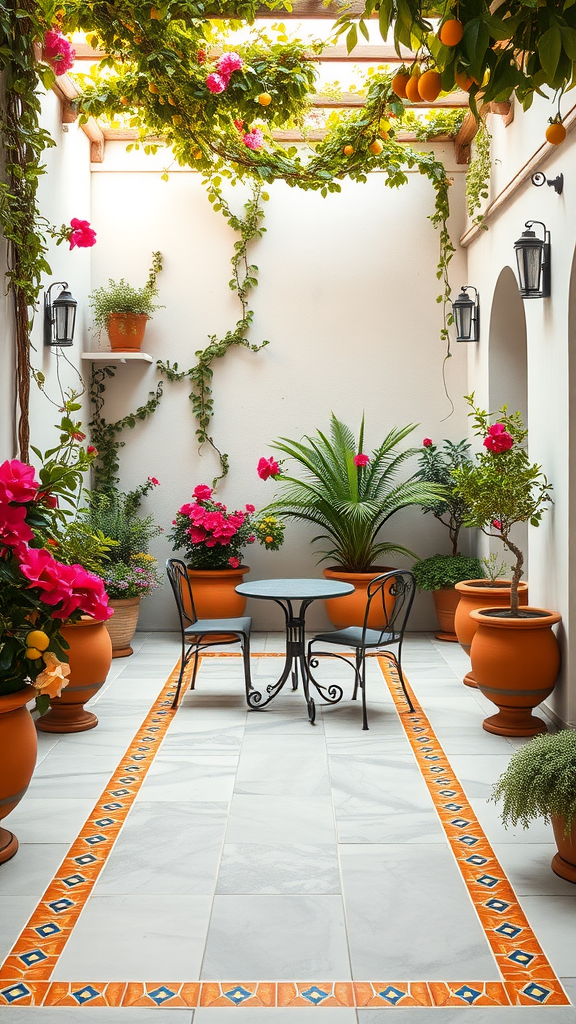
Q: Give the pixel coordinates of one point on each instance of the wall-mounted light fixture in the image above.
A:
(59, 316)
(466, 312)
(556, 183)
(533, 258)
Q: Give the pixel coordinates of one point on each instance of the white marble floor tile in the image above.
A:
(278, 868)
(15, 912)
(277, 765)
(474, 1015)
(553, 919)
(63, 774)
(32, 869)
(488, 815)
(197, 777)
(273, 819)
(280, 937)
(528, 869)
(48, 820)
(274, 1015)
(119, 938)
(94, 1015)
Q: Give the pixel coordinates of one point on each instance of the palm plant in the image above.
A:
(348, 494)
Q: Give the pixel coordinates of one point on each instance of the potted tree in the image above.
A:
(349, 496)
(540, 782)
(123, 311)
(515, 655)
(441, 573)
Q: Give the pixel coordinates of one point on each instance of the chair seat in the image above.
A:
(352, 637)
(204, 627)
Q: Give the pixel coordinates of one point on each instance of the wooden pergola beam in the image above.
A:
(453, 100)
(364, 54)
(67, 92)
(279, 135)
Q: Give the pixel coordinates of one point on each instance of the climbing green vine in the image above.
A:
(478, 174)
(105, 436)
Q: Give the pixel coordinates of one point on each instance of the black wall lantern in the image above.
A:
(533, 258)
(467, 315)
(59, 316)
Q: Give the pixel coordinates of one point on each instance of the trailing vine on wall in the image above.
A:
(105, 436)
(478, 174)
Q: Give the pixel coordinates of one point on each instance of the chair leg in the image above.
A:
(363, 687)
(357, 672)
(195, 669)
(181, 674)
(398, 661)
(245, 644)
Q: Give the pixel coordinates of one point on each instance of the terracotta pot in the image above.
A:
(351, 609)
(214, 593)
(515, 663)
(126, 331)
(446, 600)
(90, 658)
(476, 594)
(564, 862)
(122, 625)
(18, 744)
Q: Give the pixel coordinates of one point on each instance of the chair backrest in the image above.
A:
(180, 583)
(390, 598)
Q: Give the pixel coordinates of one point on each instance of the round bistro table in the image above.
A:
(285, 593)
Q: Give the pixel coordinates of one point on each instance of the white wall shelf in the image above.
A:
(116, 357)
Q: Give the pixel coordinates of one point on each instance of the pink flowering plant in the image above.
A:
(214, 538)
(502, 487)
(58, 52)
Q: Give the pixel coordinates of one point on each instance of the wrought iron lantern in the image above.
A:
(533, 258)
(59, 316)
(466, 312)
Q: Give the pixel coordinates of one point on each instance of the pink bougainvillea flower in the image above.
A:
(216, 83)
(361, 460)
(254, 139)
(498, 440)
(81, 234)
(17, 481)
(228, 63)
(78, 435)
(58, 52)
(427, 442)
(13, 527)
(234, 562)
(202, 492)
(250, 508)
(496, 524)
(267, 467)
(154, 481)
(70, 586)
(197, 534)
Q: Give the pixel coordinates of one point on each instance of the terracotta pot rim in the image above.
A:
(546, 618)
(136, 316)
(222, 573)
(481, 586)
(86, 620)
(376, 570)
(13, 701)
(124, 602)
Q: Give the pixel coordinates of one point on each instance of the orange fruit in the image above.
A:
(463, 80)
(33, 654)
(124, 101)
(197, 154)
(38, 639)
(556, 133)
(451, 32)
(269, 540)
(399, 83)
(348, 150)
(412, 92)
(155, 14)
(171, 101)
(430, 86)
(264, 99)
(376, 147)
(152, 88)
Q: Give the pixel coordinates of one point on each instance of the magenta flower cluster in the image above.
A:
(58, 52)
(218, 80)
(498, 440)
(212, 536)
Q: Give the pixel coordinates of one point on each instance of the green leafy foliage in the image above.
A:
(493, 568)
(437, 465)
(349, 503)
(104, 435)
(445, 570)
(540, 781)
(478, 173)
(120, 297)
(137, 578)
(115, 515)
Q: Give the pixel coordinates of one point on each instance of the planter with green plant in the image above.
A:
(540, 782)
(440, 573)
(515, 655)
(349, 496)
(123, 311)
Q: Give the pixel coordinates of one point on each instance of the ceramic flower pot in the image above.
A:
(564, 862)
(515, 662)
(351, 609)
(90, 658)
(476, 594)
(122, 625)
(214, 592)
(446, 601)
(126, 331)
(18, 744)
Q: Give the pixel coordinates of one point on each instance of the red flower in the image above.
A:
(234, 562)
(91, 450)
(498, 440)
(251, 539)
(216, 83)
(496, 524)
(250, 508)
(13, 527)
(202, 492)
(17, 481)
(201, 56)
(267, 467)
(58, 52)
(81, 234)
(78, 435)
(361, 460)
(197, 534)
(154, 481)
(239, 124)
(427, 442)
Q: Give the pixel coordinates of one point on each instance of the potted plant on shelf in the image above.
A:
(213, 540)
(540, 782)
(515, 655)
(440, 573)
(123, 311)
(349, 496)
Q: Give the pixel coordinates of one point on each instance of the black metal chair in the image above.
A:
(197, 634)
(399, 585)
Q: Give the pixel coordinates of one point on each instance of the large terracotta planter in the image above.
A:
(18, 744)
(446, 601)
(351, 609)
(122, 625)
(126, 331)
(515, 662)
(90, 658)
(214, 593)
(476, 594)
(564, 862)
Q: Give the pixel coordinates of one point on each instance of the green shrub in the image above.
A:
(121, 297)
(446, 570)
(540, 780)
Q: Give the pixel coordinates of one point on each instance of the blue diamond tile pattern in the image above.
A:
(498, 905)
(238, 995)
(121, 792)
(86, 858)
(58, 906)
(127, 781)
(160, 995)
(447, 792)
(15, 992)
(392, 995)
(536, 992)
(45, 930)
(519, 956)
(459, 822)
(453, 807)
(112, 807)
(93, 840)
(315, 995)
(104, 822)
(138, 757)
(84, 995)
(34, 956)
(73, 880)
(468, 840)
(488, 880)
(509, 930)
(468, 994)
(477, 860)
(431, 757)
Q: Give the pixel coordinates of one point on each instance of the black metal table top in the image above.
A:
(294, 589)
